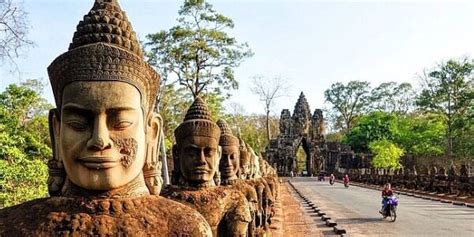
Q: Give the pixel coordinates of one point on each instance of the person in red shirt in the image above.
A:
(387, 192)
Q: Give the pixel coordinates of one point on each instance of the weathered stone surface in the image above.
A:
(140, 216)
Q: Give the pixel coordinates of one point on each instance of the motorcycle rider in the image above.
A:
(331, 179)
(346, 180)
(387, 193)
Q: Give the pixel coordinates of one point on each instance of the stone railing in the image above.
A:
(448, 184)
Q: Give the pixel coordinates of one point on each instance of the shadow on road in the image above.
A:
(359, 220)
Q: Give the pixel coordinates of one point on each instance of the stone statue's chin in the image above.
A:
(104, 175)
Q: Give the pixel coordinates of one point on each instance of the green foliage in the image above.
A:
(371, 127)
(348, 101)
(417, 134)
(24, 145)
(198, 51)
(252, 128)
(448, 90)
(22, 180)
(387, 154)
(420, 134)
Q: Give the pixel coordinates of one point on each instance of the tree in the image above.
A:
(13, 30)
(369, 128)
(348, 101)
(448, 90)
(392, 97)
(420, 134)
(387, 154)
(24, 145)
(198, 51)
(251, 128)
(417, 134)
(268, 90)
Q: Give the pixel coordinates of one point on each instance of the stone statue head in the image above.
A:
(244, 160)
(263, 166)
(197, 150)
(104, 130)
(229, 164)
(254, 163)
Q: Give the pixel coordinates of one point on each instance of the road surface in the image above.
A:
(356, 209)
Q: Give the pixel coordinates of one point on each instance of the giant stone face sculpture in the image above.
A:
(105, 138)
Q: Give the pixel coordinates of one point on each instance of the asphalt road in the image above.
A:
(356, 209)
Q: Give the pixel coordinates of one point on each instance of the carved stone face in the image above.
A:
(244, 164)
(229, 163)
(101, 134)
(198, 158)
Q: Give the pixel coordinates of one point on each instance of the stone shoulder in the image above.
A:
(148, 215)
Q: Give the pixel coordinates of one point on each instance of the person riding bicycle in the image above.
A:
(387, 193)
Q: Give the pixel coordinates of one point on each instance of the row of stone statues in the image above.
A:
(220, 176)
(104, 177)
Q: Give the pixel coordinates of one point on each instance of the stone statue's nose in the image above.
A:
(100, 139)
(201, 158)
(98, 144)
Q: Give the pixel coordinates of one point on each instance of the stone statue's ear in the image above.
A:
(219, 155)
(152, 166)
(57, 174)
(153, 128)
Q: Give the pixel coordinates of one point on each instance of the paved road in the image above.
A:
(356, 209)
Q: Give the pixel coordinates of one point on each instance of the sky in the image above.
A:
(312, 44)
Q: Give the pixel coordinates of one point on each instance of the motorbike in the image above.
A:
(390, 209)
(331, 181)
(346, 184)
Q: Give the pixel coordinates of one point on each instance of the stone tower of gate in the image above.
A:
(300, 129)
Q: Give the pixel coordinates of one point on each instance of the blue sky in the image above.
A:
(311, 43)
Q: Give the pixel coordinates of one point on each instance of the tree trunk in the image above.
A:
(268, 125)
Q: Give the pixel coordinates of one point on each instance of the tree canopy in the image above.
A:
(448, 90)
(198, 51)
(348, 101)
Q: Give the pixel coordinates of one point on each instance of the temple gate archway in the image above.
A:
(300, 129)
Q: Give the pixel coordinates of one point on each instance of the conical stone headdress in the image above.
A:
(104, 48)
(197, 122)
(227, 138)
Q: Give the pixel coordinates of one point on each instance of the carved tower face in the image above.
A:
(101, 134)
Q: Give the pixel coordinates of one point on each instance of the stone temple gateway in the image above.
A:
(302, 129)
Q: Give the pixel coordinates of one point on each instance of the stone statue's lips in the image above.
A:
(200, 171)
(98, 162)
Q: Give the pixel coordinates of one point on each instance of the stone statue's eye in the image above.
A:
(77, 125)
(208, 151)
(122, 125)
